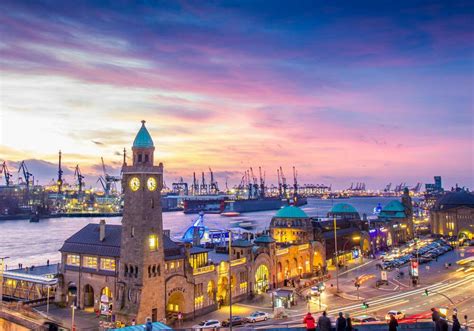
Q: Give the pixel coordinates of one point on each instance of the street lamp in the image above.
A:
(335, 253)
(230, 280)
(1, 276)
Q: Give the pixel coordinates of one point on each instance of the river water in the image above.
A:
(35, 243)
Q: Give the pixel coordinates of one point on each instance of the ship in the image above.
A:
(209, 204)
(252, 205)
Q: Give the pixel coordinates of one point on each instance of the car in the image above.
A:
(257, 317)
(397, 313)
(236, 320)
(207, 325)
(364, 319)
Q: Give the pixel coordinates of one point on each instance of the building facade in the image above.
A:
(134, 270)
(453, 215)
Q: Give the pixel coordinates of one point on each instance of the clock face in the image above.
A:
(151, 183)
(134, 183)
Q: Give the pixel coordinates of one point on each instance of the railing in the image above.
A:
(240, 261)
(203, 270)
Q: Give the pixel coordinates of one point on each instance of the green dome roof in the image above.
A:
(394, 205)
(143, 138)
(291, 212)
(343, 208)
(265, 239)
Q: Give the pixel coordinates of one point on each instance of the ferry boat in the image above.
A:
(206, 235)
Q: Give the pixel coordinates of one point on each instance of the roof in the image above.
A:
(87, 241)
(265, 239)
(291, 212)
(394, 206)
(156, 326)
(216, 258)
(143, 138)
(197, 250)
(50, 269)
(241, 243)
(455, 199)
(343, 208)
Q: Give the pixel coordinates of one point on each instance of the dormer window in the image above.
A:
(146, 158)
(139, 158)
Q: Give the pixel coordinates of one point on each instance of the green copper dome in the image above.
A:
(143, 138)
(343, 208)
(394, 205)
(291, 212)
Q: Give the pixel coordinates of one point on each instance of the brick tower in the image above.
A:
(140, 283)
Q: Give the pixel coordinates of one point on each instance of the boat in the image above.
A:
(206, 235)
(252, 205)
(209, 204)
(34, 218)
(230, 213)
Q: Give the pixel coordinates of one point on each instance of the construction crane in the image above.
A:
(60, 175)
(79, 177)
(6, 173)
(26, 174)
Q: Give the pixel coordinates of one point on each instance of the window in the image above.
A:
(132, 232)
(107, 264)
(139, 158)
(74, 260)
(89, 262)
(146, 157)
(153, 242)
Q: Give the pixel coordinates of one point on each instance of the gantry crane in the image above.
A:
(60, 175)
(26, 174)
(79, 177)
(262, 182)
(108, 180)
(6, 173)
(283, 182)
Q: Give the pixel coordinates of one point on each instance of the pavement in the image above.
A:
(399, 294)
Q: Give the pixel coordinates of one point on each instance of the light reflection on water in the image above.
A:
(34, 243)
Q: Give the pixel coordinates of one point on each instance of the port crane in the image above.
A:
(283, 182)
(387, 188)
(254, 185)
(108, 181)
(295, 183)
(416, 188)
(213, 188)
(26, 174)
(180, 187)
(262, 183)
(203, 189)
(6, 173)
(79, 177)
(195, 186)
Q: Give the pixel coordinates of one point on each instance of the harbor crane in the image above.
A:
(213, 187)
(295, 183)
(60, 175)
(6, 173)
(283, 182)
(79, 177)
(195, 185)
(387, 188)
(262, 182)
(180, 187)
(108, 179)
(203, 189)
(255, 187)
(279, 183)
(26, 174)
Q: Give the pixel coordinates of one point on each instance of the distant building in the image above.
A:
(436, 188)
(453, 215)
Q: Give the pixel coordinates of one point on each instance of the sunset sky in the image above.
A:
(367, 91)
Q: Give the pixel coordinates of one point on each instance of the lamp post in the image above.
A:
(1, 276)
(47, 302)
(335, 253)
(230, 280)
(73, 327)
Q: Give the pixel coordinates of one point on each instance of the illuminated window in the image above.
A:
(199, 302)
(172, 265)
(90, 262)
(107, 264)
(153, 242)
(243, 287)
(74, 260)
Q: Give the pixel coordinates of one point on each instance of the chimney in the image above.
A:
(102, 230)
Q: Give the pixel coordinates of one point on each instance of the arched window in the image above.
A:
(126, 271)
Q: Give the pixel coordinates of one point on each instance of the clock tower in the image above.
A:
(140, 281)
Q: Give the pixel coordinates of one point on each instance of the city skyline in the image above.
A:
(380, 93)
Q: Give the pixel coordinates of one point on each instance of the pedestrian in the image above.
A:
(180, 319)
(456, 324)
(348, 322)
(148, 325)
(134, 322)
(340, 323)
(393, 324)
(442, 324)
(324, 323)
(309, 322)
(435, 318)
(47, 262)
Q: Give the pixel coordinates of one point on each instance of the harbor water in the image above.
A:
(35, 243)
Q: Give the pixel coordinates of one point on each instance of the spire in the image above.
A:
(143, 138)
